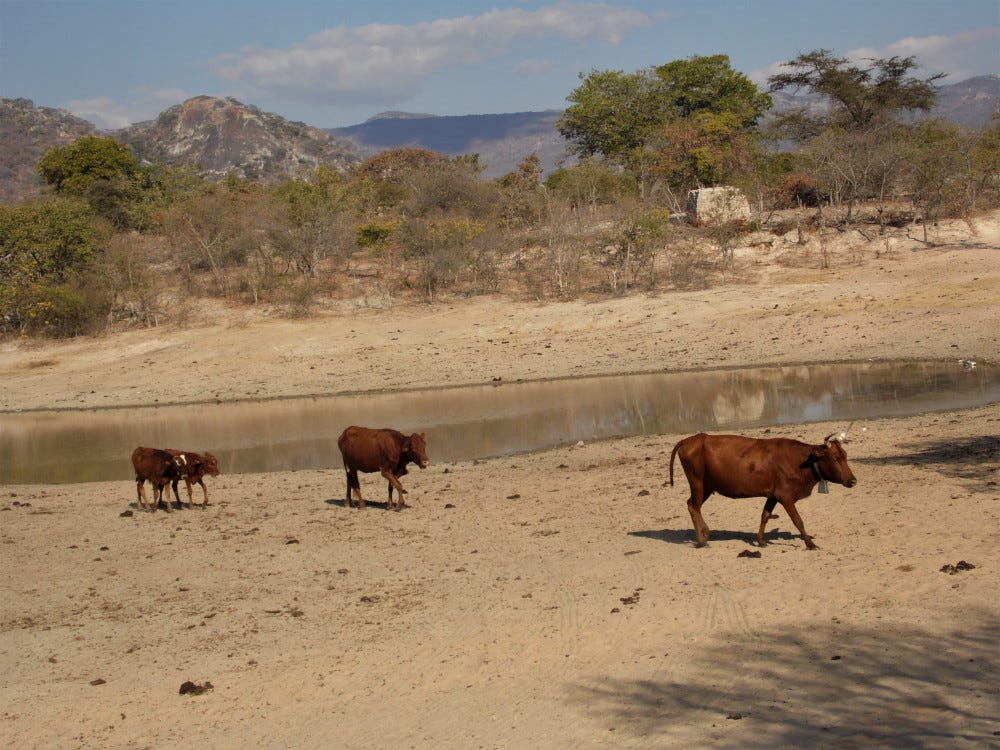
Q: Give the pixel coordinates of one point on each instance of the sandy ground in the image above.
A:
(549, 600)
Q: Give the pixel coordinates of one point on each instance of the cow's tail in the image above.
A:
(673, 453)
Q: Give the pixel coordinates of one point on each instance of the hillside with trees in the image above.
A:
(26, 133)
(122, 236)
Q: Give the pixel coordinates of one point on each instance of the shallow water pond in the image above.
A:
(482, 421)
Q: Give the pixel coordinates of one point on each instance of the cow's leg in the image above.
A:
(394, 482)
(204, 490)
(793, 513)
(187, 483)
(170, 505)
(353, 484)
(173, 485)
(140, 491)
(765, 516)
(701, 529)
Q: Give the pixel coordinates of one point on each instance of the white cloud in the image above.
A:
(386, 62)
(108, 114)
(961, 56)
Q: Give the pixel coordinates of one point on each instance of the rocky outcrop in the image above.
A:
(718, 205)
(223, 136)
(26, 133)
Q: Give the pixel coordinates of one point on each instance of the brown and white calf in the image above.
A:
(194, 467)
(159, 468)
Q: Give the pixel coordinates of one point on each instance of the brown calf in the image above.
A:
(779, 469)
(160, 468)
(194, 467)
(386, 451)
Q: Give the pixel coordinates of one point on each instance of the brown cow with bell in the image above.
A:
(779, 469)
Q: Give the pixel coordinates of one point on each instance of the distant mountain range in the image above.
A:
(502, 141)
(221, 136)
(969, 103)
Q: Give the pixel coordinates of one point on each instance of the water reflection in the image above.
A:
(473, 422)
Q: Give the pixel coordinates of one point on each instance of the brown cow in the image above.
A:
(386, 451)
(194, 467)
(779, 469)
(160, 468)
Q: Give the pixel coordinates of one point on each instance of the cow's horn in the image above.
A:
(828, 438)
(843, 435)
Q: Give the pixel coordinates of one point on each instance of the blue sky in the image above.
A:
(336, 63)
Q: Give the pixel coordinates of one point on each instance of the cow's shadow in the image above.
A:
(161, 507)
(686, 536)
(342, 503)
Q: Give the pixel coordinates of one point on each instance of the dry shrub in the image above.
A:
(688, 265)
(797, 190)
(132, 270)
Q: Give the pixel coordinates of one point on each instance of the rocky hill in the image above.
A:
(222, 136)
(970, 103)
(26, 133)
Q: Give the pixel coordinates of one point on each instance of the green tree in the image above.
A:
(614, 113)
(860, 94)
(709, 85)
(704, 150)
(47, 252)
(75, 167)
(105, 173)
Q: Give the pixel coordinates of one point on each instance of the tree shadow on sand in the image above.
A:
(818, 686)
(975, 460)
